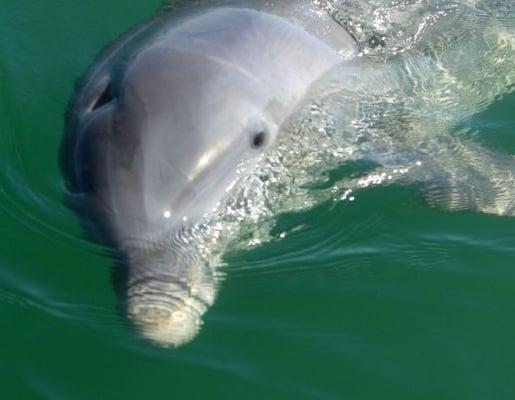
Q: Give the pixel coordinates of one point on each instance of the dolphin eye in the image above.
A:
(258, 139)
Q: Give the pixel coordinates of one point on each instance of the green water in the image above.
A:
(379, 298)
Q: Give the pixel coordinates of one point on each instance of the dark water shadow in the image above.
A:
(92, 221)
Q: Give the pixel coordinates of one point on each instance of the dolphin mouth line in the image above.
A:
(170, 308)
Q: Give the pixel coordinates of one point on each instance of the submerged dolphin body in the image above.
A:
(183, 129)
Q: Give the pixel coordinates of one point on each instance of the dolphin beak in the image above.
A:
(168, 292)
(163, 326)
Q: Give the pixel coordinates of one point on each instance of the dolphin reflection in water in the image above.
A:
(208, 120)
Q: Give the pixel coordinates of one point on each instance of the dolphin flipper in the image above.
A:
(470, 177)
(453, 173)
(462, 177)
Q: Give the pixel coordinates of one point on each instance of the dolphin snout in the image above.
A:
(168, 310)
(164, 325)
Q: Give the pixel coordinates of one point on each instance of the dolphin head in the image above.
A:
(165, 124)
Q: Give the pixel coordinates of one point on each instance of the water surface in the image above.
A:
(382, 297)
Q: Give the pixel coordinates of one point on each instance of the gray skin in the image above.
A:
(168, 119)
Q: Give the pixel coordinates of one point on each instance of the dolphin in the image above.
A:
(205, 118)
(168, 119)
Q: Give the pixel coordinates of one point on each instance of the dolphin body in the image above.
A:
(180, 122)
